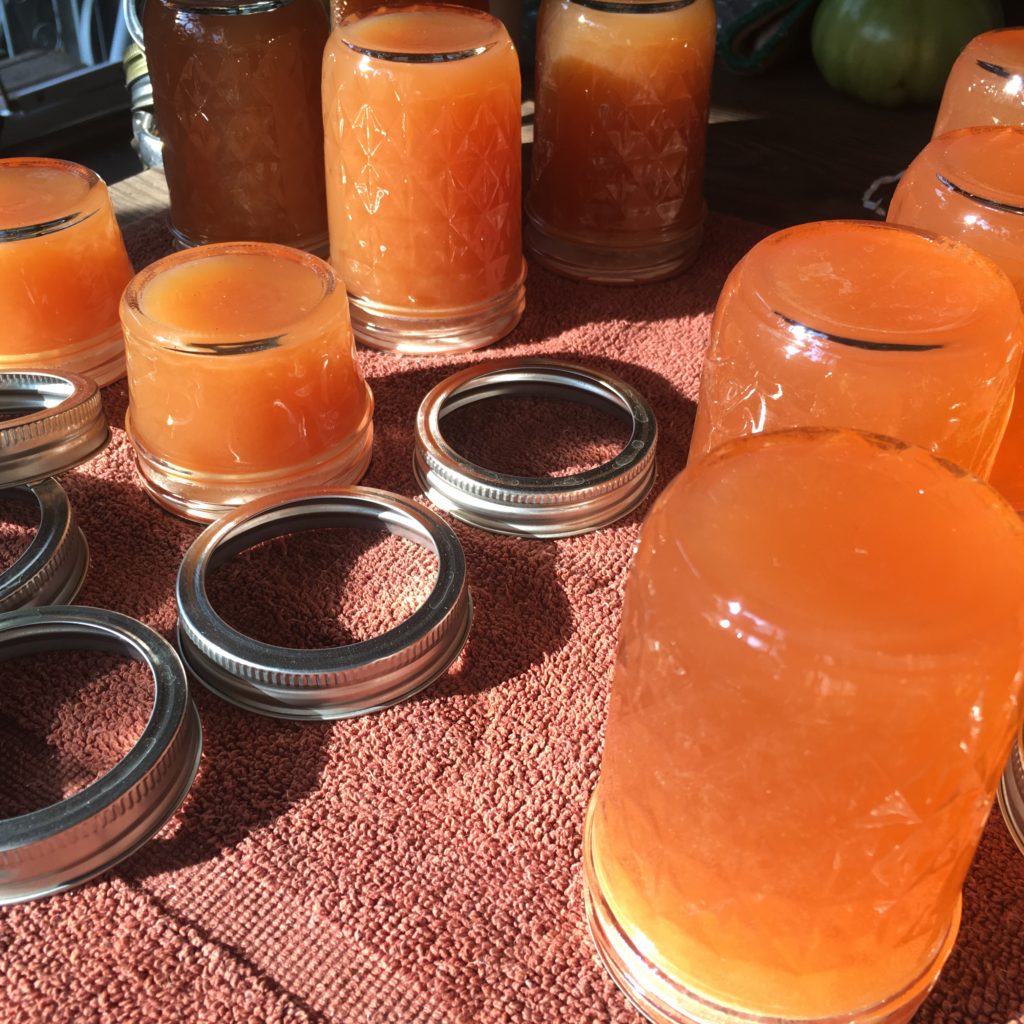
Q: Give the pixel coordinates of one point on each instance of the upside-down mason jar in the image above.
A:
(986, 84)
(816, 689)
(969, 185)
(622, 96)
(242, 377)
(424, 168)
(873, 326)
(63, 267)
(236, 94)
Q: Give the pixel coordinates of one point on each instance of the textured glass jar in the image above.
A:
(242, 377)
(236, 93)
(63, 267)
(622, 95)
(424, 169)
(969, 185)
(986, 84)
(871, 326)
(815, 692)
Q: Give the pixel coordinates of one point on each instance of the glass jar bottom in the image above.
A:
(438, 332)
(100, 358)
(318, 244)
(665, 1000)
(204, 497)
(607, 264)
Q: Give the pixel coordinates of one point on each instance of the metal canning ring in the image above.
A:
(52, 568)
(63, 845)
(1011, 793)
(535, 506)
(62, 424)
(336, 682)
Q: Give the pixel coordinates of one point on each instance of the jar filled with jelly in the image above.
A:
(236, 93)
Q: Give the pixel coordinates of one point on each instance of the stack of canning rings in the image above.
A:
(58, 423)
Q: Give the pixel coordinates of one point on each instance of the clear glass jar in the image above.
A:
(622, 96)
(986, 84)
(424, 169)
(236, 93)
(872, 326)
(63, 267)
(242, 377)
(815, 692)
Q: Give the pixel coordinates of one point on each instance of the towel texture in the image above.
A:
(421, 865)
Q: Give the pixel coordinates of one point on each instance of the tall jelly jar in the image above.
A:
(236, 94)
(63, 266)
(815, 692)
(622, 95)
(424, 171)
(242, 377)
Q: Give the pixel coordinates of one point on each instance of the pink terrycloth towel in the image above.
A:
(418, 865)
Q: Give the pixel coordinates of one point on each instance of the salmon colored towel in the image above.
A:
(422, 864)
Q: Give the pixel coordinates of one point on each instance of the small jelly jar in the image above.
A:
(622, 95)
(242, 377)
(236, 94)
(969, 185)
(63, 267)
(815, 692)
(424, 169)
(873, 326)
(986, 84)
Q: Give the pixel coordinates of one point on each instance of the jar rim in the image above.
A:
(62, 216)
(197, 341)
(947, 153)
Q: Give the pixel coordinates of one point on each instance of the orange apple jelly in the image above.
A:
(969, 185)
(816, 689)
(622, 99)
(341, 9)
(63, 267)
(424, 167)
(872, 326)
(986, 84)
(242, 377)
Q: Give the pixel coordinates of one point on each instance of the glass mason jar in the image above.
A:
(242, 377)
(424, 168)
(969, 185)
(236, 93)
(986, 84)
(622, 95)
(815, 692)
(872, 326)
(63, 267)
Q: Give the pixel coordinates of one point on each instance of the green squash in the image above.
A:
(889, 52)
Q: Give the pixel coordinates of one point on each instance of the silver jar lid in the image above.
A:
(535, 506)
(61, 424)
(63, 845)
(52, 568)
(1011, 793)
(335, 682)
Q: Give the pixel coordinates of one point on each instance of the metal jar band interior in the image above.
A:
(63, 845)
(535, 506)
(336, 682)
(52, 568)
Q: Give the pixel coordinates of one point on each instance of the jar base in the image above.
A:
(318, 244)
(583, 261)
(101, 359)
(665, 1000)
(204, 498)
(438, 333)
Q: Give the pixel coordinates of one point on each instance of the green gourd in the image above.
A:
(889, 52)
